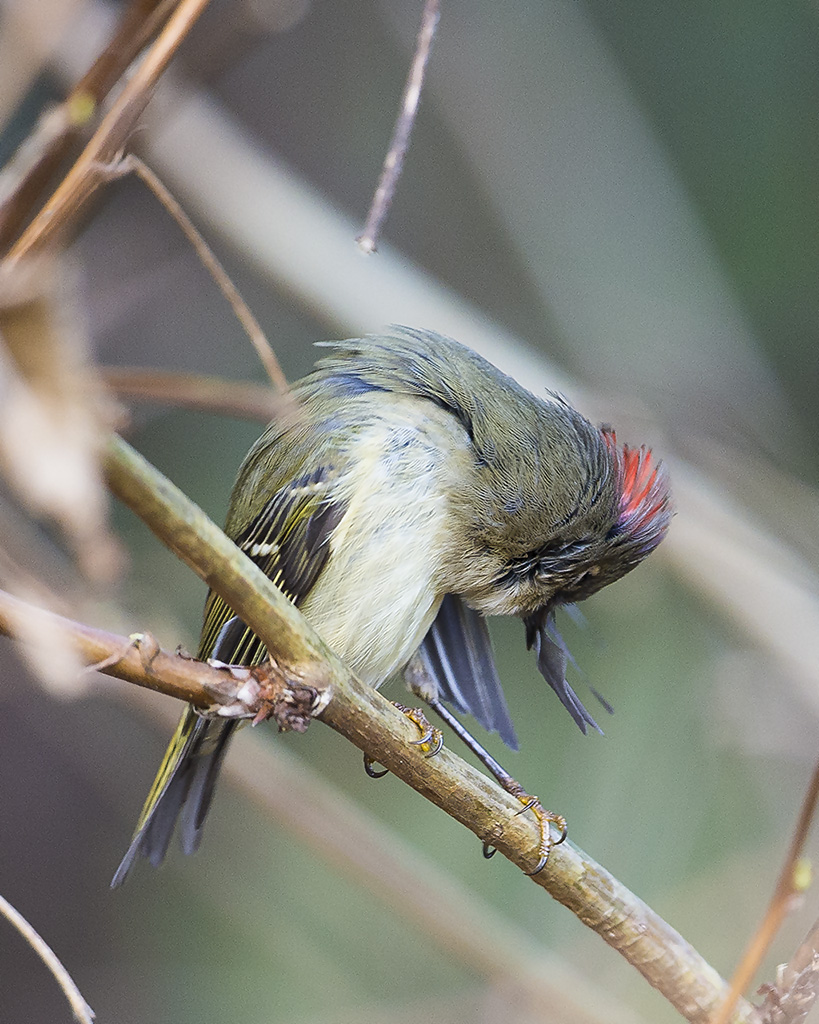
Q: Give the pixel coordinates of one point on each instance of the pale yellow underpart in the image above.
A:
(388, 548)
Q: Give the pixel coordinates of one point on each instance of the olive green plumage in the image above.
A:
(406, 470)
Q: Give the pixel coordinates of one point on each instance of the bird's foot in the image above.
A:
(544, 818)
(431, 739)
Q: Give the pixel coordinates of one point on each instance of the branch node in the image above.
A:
(118, 166)
(148, 647)
(112, 659)
(292, 705)
(494, 835)
(237, 695)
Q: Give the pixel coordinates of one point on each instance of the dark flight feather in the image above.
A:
(457, 655)
(552, 659)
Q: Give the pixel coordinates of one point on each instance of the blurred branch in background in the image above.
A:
(242, 312)
(88, 171)
(58, 129)
(610, 238)
(394, 161)
(81, 1010)
(192, 391)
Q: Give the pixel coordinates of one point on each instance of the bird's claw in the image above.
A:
(368, 768)
(430, 737)
(545, 820)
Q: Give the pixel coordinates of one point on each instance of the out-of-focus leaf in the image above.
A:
(53, 413)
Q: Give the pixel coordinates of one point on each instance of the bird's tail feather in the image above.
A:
(182, 790)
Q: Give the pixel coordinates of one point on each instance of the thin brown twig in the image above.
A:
(194, 391)
(136, 659)
(140, 22)
(784, 891)
(109, 139)
(394, 160)
(81, 1010)
(791, 999)
(209, 261)
(38, 158)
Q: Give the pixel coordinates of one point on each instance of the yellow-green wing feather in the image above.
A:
(288, 538)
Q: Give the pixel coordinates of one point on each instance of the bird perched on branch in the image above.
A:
(412, 490)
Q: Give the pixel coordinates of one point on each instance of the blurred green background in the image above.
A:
(629, 192)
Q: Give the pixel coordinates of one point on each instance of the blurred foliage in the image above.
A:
(631, 189)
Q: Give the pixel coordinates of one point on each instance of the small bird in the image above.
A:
(412, 490)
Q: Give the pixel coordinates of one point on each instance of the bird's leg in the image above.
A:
(431, 739)
(530, 803)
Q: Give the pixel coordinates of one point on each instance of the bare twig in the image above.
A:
(81, 1010)
(365, 718)
(194, 391)
(109, 139)
(394, 160)
(787, 886)
(136, 659)
(32, 167)
(449, 913)
(208, 259)
(791, 999)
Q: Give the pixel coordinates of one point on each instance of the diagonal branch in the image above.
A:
(360, 714)
(81, 1010)
(30, 170)
(88, 171)
(207, 257)
(787, 886)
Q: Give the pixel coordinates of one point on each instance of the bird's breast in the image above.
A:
(381, 587)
